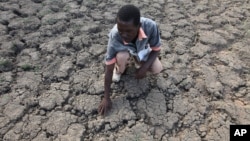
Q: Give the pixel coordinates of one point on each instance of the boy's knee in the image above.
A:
(157, 70)
(124, 55)
(156, 67)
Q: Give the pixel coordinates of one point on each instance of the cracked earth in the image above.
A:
(52, 72)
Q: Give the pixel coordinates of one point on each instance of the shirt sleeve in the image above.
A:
(154, 38)
(110, 57)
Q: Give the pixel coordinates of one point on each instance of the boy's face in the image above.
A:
(127, 30)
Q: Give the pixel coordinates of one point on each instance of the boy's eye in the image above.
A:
(119, 31)
(124, 32)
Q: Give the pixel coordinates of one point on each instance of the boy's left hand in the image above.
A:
(140, 73)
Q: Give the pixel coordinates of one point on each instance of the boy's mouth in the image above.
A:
(127, 40)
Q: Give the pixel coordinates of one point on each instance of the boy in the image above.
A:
(132, 35)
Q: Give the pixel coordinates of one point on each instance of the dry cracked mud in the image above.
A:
(52, 69)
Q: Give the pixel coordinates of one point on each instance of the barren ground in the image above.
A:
(52, 69)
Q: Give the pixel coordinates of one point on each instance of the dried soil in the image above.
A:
(52, 70)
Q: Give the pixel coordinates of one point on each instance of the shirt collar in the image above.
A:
(141, 35)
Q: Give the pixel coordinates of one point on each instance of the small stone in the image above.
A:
(203, 134)
(42, 112)
(68, 107)
(131, 123)
(73, 111)
(107, 127)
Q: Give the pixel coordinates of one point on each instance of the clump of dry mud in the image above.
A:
(51, 71)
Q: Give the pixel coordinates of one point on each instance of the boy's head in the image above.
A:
(129, 13)
(128, 22)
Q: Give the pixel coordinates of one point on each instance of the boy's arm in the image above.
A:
(106, 103)
(108, 79)
(141, 72)
(152, 56)
(155, 43)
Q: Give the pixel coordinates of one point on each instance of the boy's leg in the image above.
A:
(122, 59)
(156, 67)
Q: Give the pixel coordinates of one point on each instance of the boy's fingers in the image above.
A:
(105, 111)
(100, 110)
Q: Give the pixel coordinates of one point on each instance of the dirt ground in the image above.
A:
(52, 72)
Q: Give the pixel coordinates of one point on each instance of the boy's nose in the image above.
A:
(124, 35)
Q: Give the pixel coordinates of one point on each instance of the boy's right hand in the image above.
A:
(105, 106)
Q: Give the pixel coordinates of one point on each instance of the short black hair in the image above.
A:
(128, 13)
